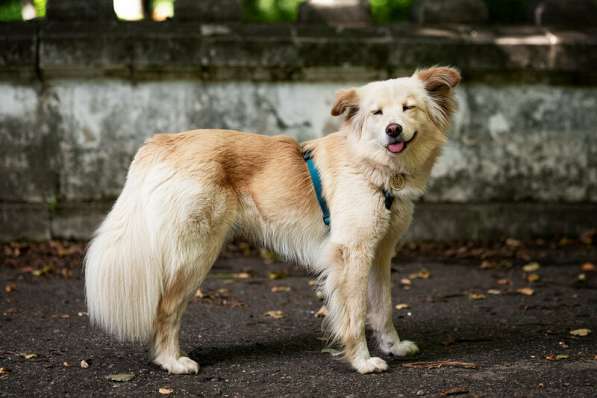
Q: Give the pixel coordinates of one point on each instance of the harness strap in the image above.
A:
(316, 180)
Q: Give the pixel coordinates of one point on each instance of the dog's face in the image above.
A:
(400, 121)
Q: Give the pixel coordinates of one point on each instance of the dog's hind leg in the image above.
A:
(190, 226)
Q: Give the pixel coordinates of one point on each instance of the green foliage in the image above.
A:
(40, 8)
(384, 11)
(10, 10)
(271, 10)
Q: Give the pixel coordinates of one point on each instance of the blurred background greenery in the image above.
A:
(271, 11)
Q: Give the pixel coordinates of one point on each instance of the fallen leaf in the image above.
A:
(487, 264)
(84, 364)
(494, 291)
(10, 287)
(504, 282)
(587, 267)
(402, 306)
(531, 267)
(280, 289)
(453, 391)
(66, 364)
(581, 332)
(439, 364)
(322, 312)
(4, 371)
(276, 275)
(513, 242)
(587, 236)
(121, 377)
(533, 277)
(28, 355)
(199, 294)
(423, 274)
(42, 271)
(165, 391)
(558, 357)
(241, 275)
(405, 281)
(267, 256)
(276, 314)
(476, 296)
(526, 291)
(582, 277)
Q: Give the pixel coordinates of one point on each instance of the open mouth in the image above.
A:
(401, 145)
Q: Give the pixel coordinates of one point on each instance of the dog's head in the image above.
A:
(400, 121)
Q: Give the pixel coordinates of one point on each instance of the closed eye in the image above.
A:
(407, 107)
(378, 112)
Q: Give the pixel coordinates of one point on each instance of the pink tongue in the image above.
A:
(397, 147)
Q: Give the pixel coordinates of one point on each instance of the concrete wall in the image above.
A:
(521, 161)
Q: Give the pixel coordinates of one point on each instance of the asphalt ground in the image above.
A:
(484, 325)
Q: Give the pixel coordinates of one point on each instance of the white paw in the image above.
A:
(370, 365)
(404, 348)
(179, 366)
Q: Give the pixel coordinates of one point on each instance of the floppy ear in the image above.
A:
(346, 99)
(439, 82)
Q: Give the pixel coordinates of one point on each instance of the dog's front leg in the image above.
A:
(380, 306)
(346, 288)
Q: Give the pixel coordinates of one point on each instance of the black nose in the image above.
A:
(393, 130)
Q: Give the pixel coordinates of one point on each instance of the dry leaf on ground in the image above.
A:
(276, 275)
(165, 391)
(494, 291)
(450, 392)
(121, 377)
(440, 364)
(4, 371)
(581, 332)
(531, 267)
(28, 355)
(587, 267)
(402, 306)
(84, 364)
(526, 291)
(558, 357)
(503, 282)
(476, 296)
(280, 289)
(276, 314)
(533, 277)
(405, 282)
(199, 293)
(241, 275)
(10, 287)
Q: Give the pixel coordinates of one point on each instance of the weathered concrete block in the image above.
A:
(78, 220)
(577, 13)
(497, 221)
(29, 144)
(208, 10)
(24, 221)
(340, 12)
(80, 10)
(449, 11)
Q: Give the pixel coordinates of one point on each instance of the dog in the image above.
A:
(187, 194)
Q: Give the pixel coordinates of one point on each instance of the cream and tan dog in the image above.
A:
(186, 194)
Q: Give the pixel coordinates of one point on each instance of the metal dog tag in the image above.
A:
(397, 182)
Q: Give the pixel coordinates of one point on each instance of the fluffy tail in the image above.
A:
(123, 280)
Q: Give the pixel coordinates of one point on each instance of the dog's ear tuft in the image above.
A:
(346, 99)
(439, 82)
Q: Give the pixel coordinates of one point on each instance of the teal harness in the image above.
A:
(316, 180)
